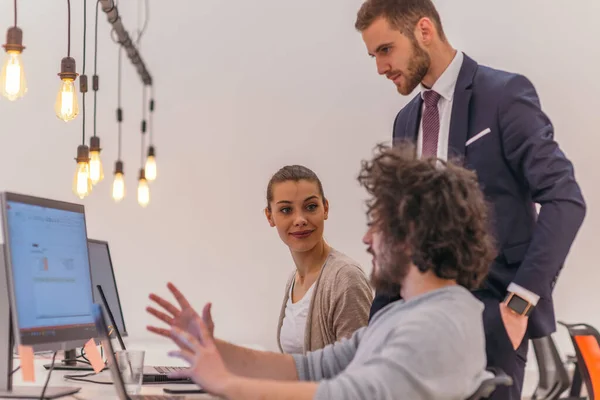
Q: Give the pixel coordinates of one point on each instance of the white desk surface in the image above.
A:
(155, 354)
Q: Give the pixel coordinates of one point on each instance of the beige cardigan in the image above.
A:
(340, 303)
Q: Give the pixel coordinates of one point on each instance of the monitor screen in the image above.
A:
(48, 272)
(103, 275)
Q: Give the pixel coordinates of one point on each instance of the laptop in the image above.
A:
(151, 374)
(113, 366)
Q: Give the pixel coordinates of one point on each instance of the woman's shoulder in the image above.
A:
(341, 268)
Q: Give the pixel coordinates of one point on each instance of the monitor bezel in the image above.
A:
(123, 332)
(60, 345)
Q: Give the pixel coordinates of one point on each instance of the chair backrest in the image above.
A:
(488, 386)
(553, 376)
(586, 341)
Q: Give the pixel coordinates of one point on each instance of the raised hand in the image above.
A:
(180, 318)
(207, 368)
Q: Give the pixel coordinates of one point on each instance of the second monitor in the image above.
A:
(103, 274)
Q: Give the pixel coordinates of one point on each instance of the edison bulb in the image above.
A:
(118, 190)
(150, 168)
(82, 184)
(96, 169)
(12, 78)
(66, 106)
(143, 192)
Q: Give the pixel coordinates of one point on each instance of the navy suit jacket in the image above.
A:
(518, 164)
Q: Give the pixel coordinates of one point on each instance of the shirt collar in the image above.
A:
(446, 83)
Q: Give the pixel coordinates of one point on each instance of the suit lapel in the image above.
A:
(409, 128)
(414, 118)
(459, 122)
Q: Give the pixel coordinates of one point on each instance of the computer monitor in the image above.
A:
(47, 276)
(103, 274)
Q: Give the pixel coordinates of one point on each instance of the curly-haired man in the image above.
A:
(430, 243)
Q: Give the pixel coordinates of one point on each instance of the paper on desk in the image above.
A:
(26, 357)
(92, 354)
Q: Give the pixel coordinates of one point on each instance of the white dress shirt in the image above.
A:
(445, 86)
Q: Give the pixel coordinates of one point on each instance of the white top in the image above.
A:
(294, 323)
(444, 86)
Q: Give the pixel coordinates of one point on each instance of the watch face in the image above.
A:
(518, 304)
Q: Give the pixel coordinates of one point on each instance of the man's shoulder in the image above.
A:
(455, 298)
(489, 78)
(498, 83)
(455, 314)
(445, 301)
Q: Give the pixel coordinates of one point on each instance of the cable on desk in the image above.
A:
(84, 357)
(48, 377)
(80, 378)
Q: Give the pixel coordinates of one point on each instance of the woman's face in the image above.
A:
(299, 213)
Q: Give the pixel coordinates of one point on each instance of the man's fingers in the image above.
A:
(180, 374)
(207, 316)
(164, 304)
(160, 315)
(184, 340)
(205, 335)
(183, 354)
(160, 331)
(183, 303)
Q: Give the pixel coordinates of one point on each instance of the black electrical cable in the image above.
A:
(69, 29)
(95, 77)
(48, 377)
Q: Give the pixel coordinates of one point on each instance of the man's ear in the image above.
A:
(269, 216)
(425, 31)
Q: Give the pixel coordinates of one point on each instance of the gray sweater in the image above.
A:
(430, 347)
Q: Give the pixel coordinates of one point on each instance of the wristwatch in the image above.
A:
(518, 304)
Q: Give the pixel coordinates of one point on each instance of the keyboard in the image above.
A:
(167, 370)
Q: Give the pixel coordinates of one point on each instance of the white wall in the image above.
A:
(245, 87)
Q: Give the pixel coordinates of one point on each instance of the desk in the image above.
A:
(155, 354)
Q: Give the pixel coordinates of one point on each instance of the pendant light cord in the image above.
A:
(119, 110)
(15, 13)
(95, 77)
(83, 71)
(69, 29)
(144, 100)
(150, 122)
(142, 30)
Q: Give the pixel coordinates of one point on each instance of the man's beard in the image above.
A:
(389, 273)
(418, 66)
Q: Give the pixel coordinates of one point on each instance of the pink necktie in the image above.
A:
(431, 124)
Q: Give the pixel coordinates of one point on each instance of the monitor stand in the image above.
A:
(70, 363)
(7, 390)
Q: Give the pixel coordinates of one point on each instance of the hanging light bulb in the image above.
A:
(150, 169)
(12, 77)
(96, 169)
(66, 106)
(82, 184)
(143, 190)
(118, 191)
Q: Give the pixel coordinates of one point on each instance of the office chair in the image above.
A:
(488, 386)
(586, 341)
(553, 376)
